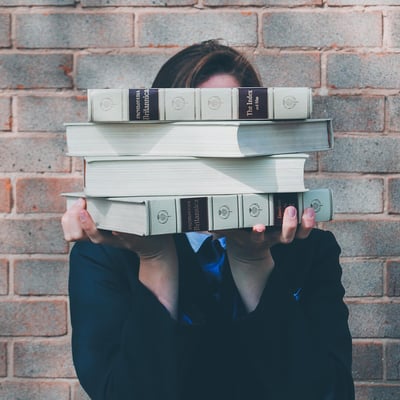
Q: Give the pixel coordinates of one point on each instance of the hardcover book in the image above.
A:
(199, 138)
(170, 214)
(161, 176)
(152, 104)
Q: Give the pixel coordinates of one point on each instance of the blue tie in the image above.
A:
(211, 256)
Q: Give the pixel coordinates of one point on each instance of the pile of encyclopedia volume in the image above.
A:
(161, 161)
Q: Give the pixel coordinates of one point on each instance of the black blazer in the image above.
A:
(295, 345)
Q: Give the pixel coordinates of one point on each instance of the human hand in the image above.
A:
(245, 244)
(78, 225)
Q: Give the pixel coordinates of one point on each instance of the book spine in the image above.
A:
(290, 103)
(167, 215)
(144, 105)
(173, 104)
(105, 105)
(213, 213)
(193, 214)
(253, 103)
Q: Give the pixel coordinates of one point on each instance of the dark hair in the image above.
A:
(195, 64)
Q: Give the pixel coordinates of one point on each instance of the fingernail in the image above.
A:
(79, 202)
(259, 228)
(310, 212)
(292, 212)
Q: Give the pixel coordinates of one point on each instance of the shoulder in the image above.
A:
(88, 252)
(319, 238)
(319, 242)
(317, 255)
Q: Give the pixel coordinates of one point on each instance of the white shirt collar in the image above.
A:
(196, 239)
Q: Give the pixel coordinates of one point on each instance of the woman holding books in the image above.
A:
(254, 314)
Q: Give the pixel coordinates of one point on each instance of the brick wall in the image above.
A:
(52, 50)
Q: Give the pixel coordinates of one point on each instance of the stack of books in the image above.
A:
(163, 161)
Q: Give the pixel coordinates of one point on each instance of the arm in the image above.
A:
(123, 302)
(123, 340)
(303, 346)
(250, 257)
(158, 260)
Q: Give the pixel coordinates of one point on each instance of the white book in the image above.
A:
(122, 105)
(163, 176)
(170, 214)
(199, 138)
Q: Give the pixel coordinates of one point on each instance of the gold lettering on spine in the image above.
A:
(196, 210)
(137, 101)
(249, 103)
(146, 104)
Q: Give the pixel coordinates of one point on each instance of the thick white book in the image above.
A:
(170, 104)
(171, 214)
(199, 139)
(163, 176)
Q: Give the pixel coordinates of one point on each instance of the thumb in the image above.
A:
(89, 227)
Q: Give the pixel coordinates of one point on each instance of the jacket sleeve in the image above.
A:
(123, 339)
(297, 340)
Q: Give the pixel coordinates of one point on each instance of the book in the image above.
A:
(161, 176)
(122, 105)
(199, 138)
(171, 214)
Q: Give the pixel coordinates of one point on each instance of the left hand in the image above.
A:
(255, 244)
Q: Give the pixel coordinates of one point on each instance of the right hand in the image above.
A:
(78, 225)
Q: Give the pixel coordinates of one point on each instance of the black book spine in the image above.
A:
(253, 103)
(194, 214)
(144, 104)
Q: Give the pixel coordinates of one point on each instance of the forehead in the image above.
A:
(220, 81)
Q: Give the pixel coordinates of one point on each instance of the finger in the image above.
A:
(89, 227)
(71, 224)
(257, 233)
(307, 223)
(289, 225)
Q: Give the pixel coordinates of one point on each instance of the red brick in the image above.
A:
(41, 277)
(75, 30)
(282, 68)
(34, 390)
(393, 279)
(49, 113)
(33, 71)
(374, 320)
(33, 318)
(325, 28)
(43, 359)
(38, 195)
(5, 114)
(5, 195)
(3, 358)
(3, 276)
(383, 391)
(366, 237)
(367, 361)
(392, 359)
(394, 195)
(40, 153)
(29, 236)
(5, 30)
